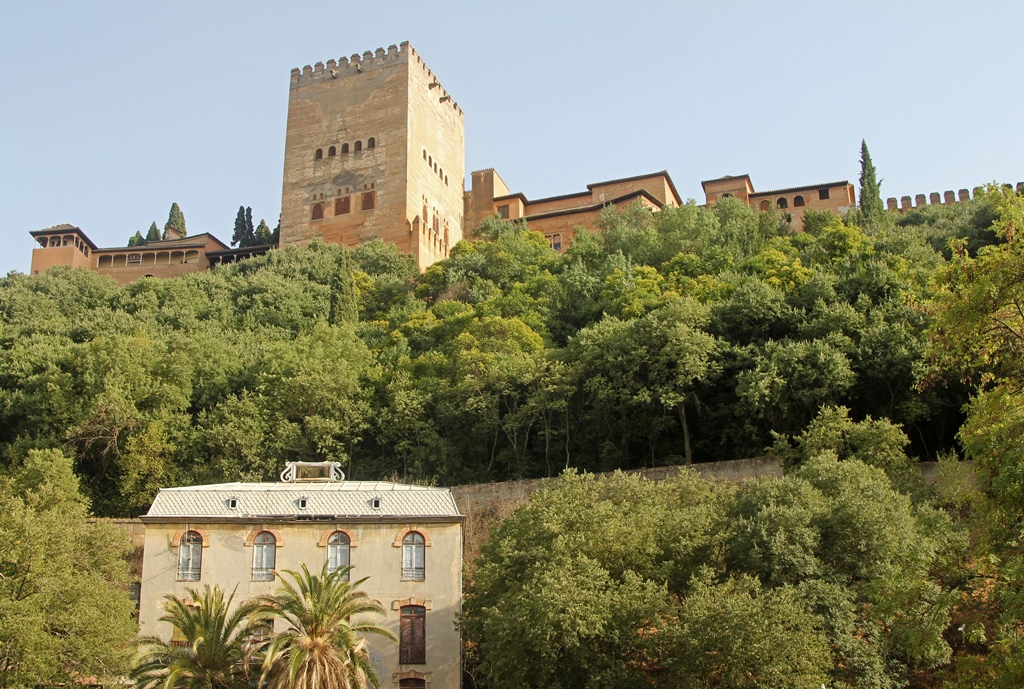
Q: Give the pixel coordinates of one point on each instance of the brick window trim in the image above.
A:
(405, 532)
(353, 540)
(397, 677)
(256, 532)
(425, 604)
(180, 534)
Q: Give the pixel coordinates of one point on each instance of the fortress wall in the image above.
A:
(947, 198)
(487, 504)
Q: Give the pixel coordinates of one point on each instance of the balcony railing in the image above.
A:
(262, 574)
(413, 655)
(412, 573)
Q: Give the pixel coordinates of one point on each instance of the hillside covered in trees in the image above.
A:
(691, 334)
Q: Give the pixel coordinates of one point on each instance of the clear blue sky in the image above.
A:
(110, 111)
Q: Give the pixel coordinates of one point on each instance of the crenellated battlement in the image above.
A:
(371, 59)
(935, 199)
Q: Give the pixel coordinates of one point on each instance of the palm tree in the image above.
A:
(215, 648)
(324, 645)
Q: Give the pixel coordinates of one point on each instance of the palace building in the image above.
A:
(407, 541)
(375, 149)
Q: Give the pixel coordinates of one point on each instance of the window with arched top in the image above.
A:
(798, 201)
(319, 155)
(318, 211)
(412, 636)
(413, 550)
(190, 556)
(765, 205)
(343, 205)
(371, 143)
(369, 200)
(359, 146)
(331, 152)
(344, 149)
(338, 551)
(782, 203)
(264, 556)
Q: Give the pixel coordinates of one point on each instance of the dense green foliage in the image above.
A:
(821, 577)
(154, 233)
(846, 572)
(65, 612)
(688, 333)
(244, 234)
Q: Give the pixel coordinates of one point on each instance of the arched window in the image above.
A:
(319, 155)
(344, 149)
(726, 195)
(412, 556)
(765, 205)
(798, 201)
(359, 146)
(318, 211)
(412, 637)
(369, 200)
(371, 143)
(343, 205)
(424, 154)
(782, 203)
(190, 556)
(338, 551)
(264, 556)
(331, 152)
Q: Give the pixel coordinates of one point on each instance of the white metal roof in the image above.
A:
(340, 499)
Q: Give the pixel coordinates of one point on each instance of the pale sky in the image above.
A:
(111, 111)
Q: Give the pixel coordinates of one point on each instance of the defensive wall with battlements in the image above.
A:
(934, 199)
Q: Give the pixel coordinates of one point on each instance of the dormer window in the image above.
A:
(232, 503)
(375, 503)
(303, 503)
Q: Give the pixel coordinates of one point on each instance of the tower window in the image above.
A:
(344, 149)
(798, 201)
(319, 155)
(823, 194)
(369, 200)
(359, 146)
(331, 152)
(782, 203)
(765, 205)
(503, 211)
(343, 205)
(371, 143)
(318, 211)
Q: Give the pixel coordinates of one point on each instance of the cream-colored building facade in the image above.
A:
(407, 540)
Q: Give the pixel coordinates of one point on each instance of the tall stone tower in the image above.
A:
(375, 148)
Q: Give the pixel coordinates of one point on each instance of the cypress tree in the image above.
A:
(154, 233)
(136, 239)
(263, 236)
(275, 236)
(871, 207)
(238, 236)
(250, 234)
(175, 219)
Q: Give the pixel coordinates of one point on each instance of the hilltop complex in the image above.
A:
(375, 148)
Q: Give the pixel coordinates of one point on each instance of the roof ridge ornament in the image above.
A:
(306, 472)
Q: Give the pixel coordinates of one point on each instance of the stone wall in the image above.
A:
(487, 504)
